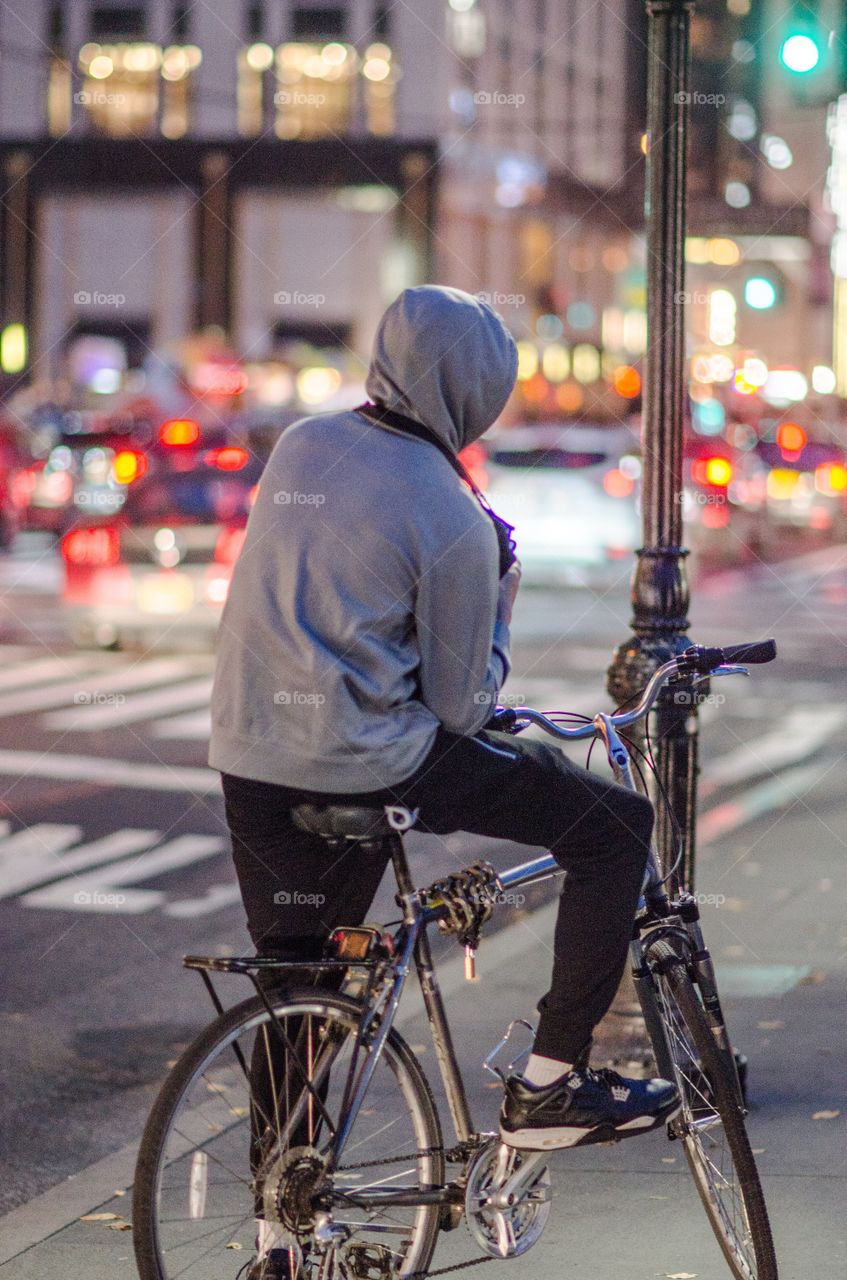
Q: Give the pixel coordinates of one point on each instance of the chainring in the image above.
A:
(505, 1231)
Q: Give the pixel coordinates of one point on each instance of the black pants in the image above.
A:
(295, 890)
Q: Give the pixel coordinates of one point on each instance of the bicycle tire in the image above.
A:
(214, 1039)
(724, 1098)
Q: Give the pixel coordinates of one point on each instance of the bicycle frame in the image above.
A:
(657, 918)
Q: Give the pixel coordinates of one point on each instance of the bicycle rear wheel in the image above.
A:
(712, 1123)
(237, 1133)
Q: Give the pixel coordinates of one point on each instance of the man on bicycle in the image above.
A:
(360, 654)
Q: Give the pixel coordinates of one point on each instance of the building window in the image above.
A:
(318, 24)
(139, 88)
(254, 63)
(315, 89)
(380, 75)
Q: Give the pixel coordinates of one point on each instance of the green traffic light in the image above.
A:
(800, 54)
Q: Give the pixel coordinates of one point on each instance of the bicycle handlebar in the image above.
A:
(696, 660)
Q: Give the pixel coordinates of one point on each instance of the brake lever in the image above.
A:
(728, 670)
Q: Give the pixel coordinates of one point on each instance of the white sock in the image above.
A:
(542, 1071)
(272, 1235)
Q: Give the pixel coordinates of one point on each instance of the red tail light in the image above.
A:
(714, 471)
(229, 544)
(230, 458)
(179, 431)
(96, 548)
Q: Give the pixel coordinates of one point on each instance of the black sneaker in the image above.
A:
(585, 1106)
(279, 1264)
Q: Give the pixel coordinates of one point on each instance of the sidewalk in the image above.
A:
(628, 1212)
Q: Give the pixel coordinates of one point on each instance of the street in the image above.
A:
(113, 864)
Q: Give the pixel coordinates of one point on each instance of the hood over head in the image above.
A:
(444, 358)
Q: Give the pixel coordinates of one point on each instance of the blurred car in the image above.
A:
(805, 488)
(571, 491)
(156, 561)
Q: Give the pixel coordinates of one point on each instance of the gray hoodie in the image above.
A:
(363, 608)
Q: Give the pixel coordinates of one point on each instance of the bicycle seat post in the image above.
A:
(400, 863)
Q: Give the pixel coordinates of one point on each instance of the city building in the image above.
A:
(279, 171)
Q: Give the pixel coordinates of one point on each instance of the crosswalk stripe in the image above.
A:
(32, 849)
(138, 676)
(105, 890)
(195, 726)
(803, 732)
(89, 719)
(107, 773)
(19, 675)
(54, 860)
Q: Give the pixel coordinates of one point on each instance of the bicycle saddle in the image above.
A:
(352, 822)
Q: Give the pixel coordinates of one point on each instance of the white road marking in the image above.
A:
(138, 676)
(803, 732)
(22, 674)
(25, 864)
(196, 726)
(30, 849)
(91, 718)
(104, 890)
(107, 773)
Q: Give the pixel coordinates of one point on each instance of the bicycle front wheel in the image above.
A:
(712, 1124)
(243, 1128)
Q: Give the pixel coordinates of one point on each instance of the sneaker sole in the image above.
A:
(559, 1139)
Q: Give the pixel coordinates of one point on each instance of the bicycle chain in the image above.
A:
(457, 1266)
(412, 1155)
(427, 1151)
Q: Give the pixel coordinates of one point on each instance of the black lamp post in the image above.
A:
(660, 595)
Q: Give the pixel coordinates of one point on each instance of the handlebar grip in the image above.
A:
(754, 653)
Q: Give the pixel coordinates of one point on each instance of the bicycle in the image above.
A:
(305, 1105)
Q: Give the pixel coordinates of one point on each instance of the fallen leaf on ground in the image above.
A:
(658, 1197)
(677, 1275)
(100, 1217)
(775, 1024)
(825, 1115)
(120, 1226)
(119, 1193)
(233, 1244)
(758, 1151)
(813, 979)
(668, 1159)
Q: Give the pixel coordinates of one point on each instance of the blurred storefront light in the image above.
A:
(527, 361)
(785, 386)
(13, 348)
(823, 380)
(722, 315)
(585, 361)
(556, 362)
(776, 151)
(635, 332)
(317, 384)
(737, 195)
